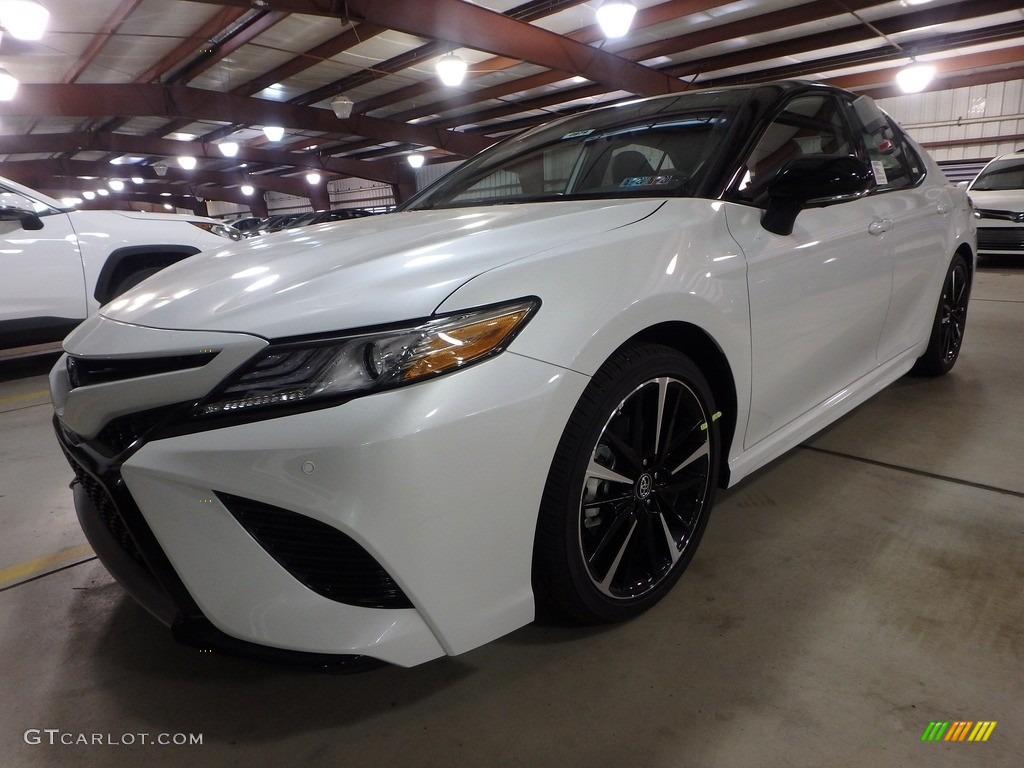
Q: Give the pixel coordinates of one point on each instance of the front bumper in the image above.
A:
(439, 483)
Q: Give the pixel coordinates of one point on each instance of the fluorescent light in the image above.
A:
(451, 69)
(116, 184)
(313, 177)
(137, 180)
(615, 17)
(24, 19)
(102, 192)
(187, 162)
(228, 148)
(416, 160)
(89, 194)
(247, 189)
(8, 85)
(915, 77)
(273, 132)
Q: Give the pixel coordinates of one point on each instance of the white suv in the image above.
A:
(58, 264)
(998, 195)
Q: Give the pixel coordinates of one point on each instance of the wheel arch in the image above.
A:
(124, 261)
(701, 348)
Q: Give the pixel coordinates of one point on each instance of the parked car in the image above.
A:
(998, 194)
(60, 264)
(247, 225)
(392, 437)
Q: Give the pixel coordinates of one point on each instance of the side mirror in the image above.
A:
(28, 219)
(813, 181)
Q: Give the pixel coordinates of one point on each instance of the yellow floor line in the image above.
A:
(25, 396)
(40, 565)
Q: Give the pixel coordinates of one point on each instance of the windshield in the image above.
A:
(654, 148)
(1001, 174)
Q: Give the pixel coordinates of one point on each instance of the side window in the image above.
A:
(545, 171)
(895, 163)
(808, 125)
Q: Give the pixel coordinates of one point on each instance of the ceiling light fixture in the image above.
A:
(102, 192)
(116, 184)
(247, 189)
(160, 167)
(228, 148)
(313, 178)
(137, 180)
(89, 194)
(187, 162)
(915, 77)
(416, 160)
(342, 106)
(24, 19)
(615, 17)
(8, 85)
(451, 69)
(273, 132)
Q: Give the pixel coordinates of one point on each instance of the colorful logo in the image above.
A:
(958, 730)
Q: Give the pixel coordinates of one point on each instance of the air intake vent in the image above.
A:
(84, 371)
(318, 555)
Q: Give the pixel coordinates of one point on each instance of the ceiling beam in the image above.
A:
(125, 144)
(461, 24)
(35, 100)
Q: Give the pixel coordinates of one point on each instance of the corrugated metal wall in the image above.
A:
(964, 124)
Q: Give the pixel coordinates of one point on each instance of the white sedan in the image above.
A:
(392, 437)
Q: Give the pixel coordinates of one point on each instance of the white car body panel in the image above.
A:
(332, 275)
(466, 595)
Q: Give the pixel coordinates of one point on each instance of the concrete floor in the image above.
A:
(843, 598)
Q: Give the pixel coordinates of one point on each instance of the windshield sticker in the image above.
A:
(879, 169)
(646, 181)
(577, 134)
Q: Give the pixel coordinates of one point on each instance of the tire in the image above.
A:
(630, 487)
(949, 324)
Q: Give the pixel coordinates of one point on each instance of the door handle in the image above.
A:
(880, 226)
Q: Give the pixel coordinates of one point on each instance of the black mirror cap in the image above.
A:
(814, 180)
(28, 219)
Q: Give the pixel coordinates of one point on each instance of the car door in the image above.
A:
(819, 296)
(916, 214)
(42, 291)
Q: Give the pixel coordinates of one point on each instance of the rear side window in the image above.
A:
(895, 163)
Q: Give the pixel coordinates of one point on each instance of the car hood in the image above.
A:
(359, 273)
(998, 199)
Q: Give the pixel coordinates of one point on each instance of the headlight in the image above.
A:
(218, 229)
(339, 367)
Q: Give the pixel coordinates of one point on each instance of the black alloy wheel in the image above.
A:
(950, 322)
(630, 487)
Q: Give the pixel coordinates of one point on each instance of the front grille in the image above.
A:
(318, 555)
(1001, 238)
(106, 508)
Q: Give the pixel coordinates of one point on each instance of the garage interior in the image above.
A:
(844, 597)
